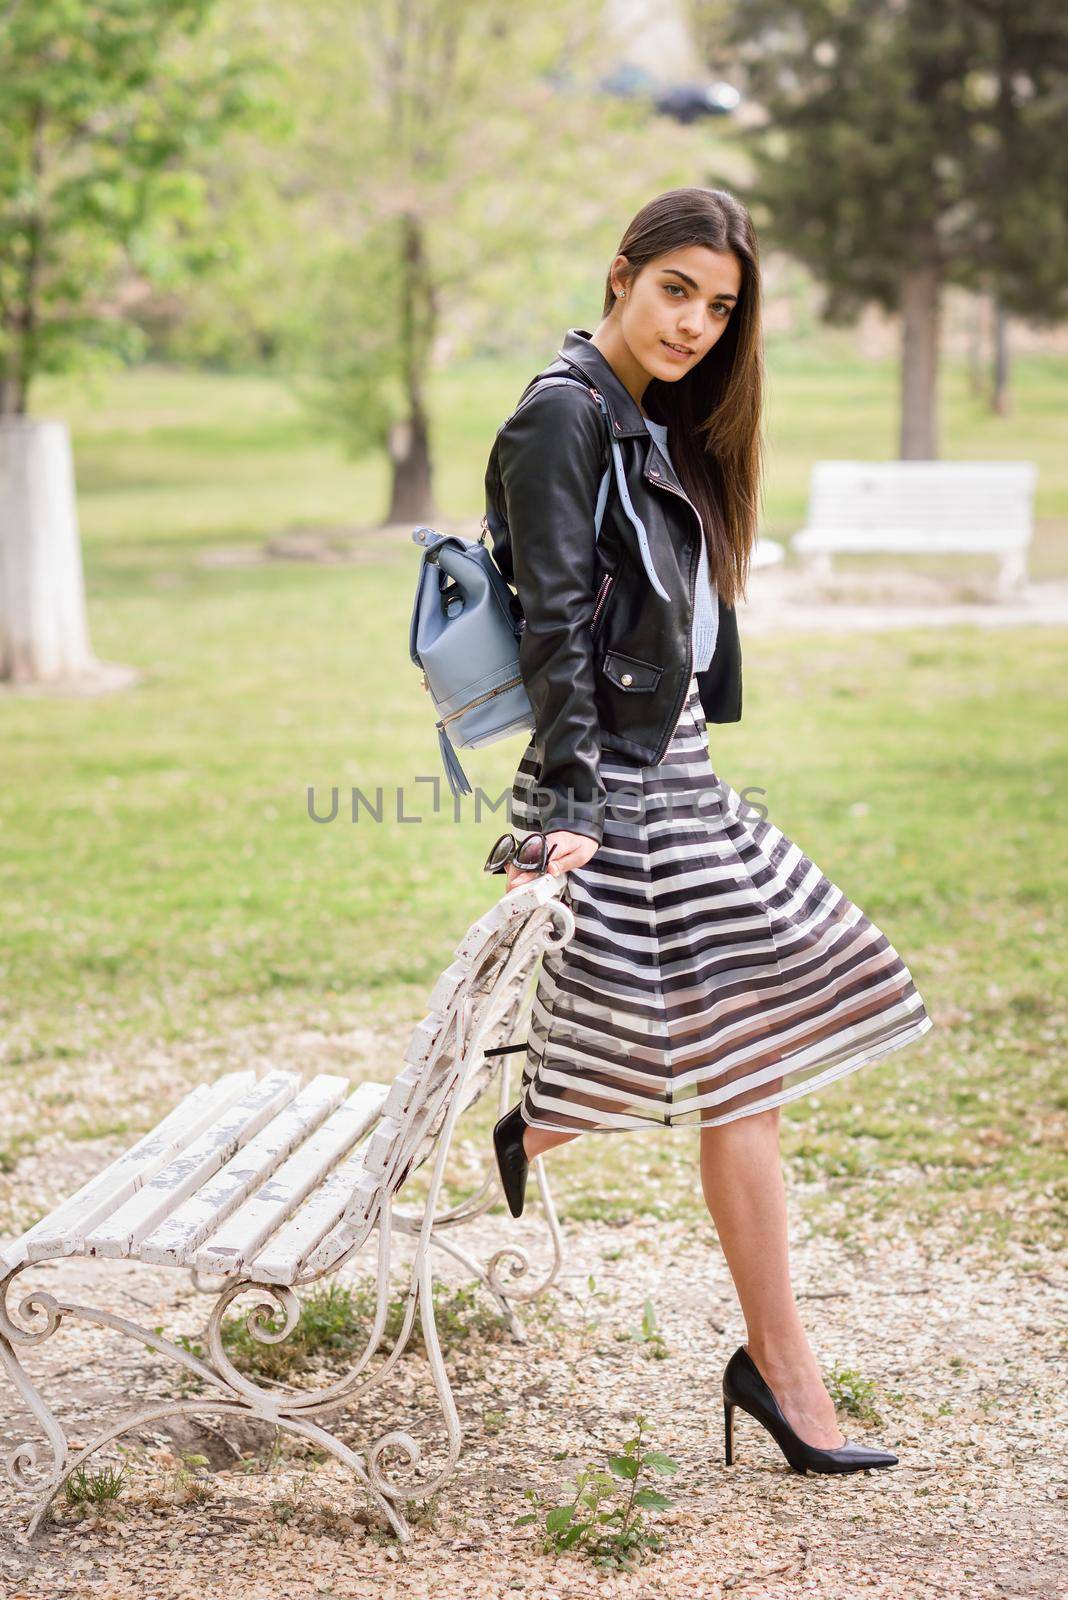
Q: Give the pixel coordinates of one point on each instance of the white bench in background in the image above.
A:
(272, 1184)
(921, 508)
(767, 553)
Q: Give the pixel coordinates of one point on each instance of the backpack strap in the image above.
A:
(617, 463)
(606, 481)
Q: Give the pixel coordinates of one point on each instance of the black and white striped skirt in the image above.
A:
(714, 970)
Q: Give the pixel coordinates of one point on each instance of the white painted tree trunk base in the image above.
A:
(44, 634)
(99, 677)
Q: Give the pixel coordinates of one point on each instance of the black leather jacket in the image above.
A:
(606, 659)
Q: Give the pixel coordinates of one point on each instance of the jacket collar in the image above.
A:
(626, 416)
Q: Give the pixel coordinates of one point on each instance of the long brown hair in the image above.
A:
(714, 413)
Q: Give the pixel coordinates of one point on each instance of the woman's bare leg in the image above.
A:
(537, 1140)
(741, 1177)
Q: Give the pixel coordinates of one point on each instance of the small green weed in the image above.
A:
(649, 1334)
(191, 1481)
(95, 1486)
(590, 1320)
(336, 1321)
(854, 1394)
(602, 1518)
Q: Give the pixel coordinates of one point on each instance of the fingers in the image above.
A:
(567, 860)
(570, 851)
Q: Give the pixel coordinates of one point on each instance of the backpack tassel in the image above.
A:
(453, 771)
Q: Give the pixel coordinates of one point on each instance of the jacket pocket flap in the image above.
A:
(630, 674)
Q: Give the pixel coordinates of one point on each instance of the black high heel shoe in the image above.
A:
(744, 1386)
(512, 1163)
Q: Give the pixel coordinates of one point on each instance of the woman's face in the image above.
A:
(684, 298)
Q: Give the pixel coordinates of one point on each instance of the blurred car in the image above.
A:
(689, 102)
(686, 102)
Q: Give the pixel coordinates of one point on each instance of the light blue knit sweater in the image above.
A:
(705, 599)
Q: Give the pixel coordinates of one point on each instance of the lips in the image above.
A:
(679, 349)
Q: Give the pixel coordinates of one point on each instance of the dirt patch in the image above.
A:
(964, 1352)
(782, 598)
(785, 599)
(324, 546)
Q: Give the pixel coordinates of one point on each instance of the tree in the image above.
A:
(446, 149)
(106, 107)
(909, 144)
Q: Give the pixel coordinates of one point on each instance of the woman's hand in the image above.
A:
(572, 850)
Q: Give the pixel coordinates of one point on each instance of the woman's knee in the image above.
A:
(752, 1124)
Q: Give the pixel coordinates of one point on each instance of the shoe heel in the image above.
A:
(728, 1432)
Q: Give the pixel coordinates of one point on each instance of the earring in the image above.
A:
(622, 294)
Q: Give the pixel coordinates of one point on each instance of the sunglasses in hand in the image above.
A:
(526, 855)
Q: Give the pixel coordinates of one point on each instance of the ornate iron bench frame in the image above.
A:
(224, 1166)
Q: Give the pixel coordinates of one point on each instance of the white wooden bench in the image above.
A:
(920, 507)
(271, 1184)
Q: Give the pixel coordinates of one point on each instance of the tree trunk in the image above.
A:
(412, 496)
(919, 363)
(1001, 399)
(976, 363)
(12, 398)
(44, 633)
(412, 490)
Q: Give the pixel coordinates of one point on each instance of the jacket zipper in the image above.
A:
(694, 565)
(662, 483)
(602, 595)
(482, 698)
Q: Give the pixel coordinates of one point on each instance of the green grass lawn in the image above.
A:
(162, 881)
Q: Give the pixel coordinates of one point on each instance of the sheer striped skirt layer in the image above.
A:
(714, 970)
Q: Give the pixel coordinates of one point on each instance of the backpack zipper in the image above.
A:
(482, 698)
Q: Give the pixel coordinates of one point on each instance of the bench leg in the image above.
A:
(1012, 574)
(489, 1275)
(172, 1408)
(40, 1314)
(819, 566)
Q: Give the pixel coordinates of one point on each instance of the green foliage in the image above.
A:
(435, 211)
(649, 1335)
(95, 1485)
(588, 1301)
(853, 1393)
(106, 116)
(191, 1480)
(899, 135)
(602, 1515)
(352, 340)
(335, 1323)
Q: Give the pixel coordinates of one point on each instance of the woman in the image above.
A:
(714, 972)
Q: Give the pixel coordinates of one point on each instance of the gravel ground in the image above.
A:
(965, 1352)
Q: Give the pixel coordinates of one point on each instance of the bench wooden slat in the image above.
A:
(63, 1229)
(291, 1248)
(236, 1242)
(119, 1233)
(179, 1234)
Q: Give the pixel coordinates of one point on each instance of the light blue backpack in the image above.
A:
(465, 637)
